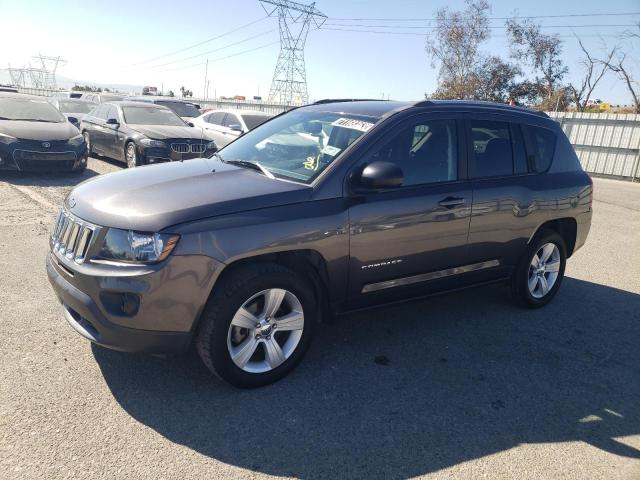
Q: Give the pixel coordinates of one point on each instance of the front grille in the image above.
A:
(72, 237)
(187, 148)
(32, 160)
(30, 155)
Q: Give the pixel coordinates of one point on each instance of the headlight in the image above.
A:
(211, 145)
(129, 246)
(77, 140)
(7, 139)
(148, 142)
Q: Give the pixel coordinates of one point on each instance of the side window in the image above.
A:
(519, 150)
(216, 118)
(101, 112)
(491, 148)
(544, 145)
(426, 152)
(112, 112)
(231, 119)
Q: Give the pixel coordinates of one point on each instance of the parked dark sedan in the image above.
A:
(34, 135)
(73, 108)
(140, 134)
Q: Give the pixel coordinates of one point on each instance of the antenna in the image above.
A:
(289, 84)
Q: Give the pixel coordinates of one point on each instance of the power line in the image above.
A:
(221, 58)
(210, 51)
(200, 43)
(424, 34)
(494, 27)
(490, 18)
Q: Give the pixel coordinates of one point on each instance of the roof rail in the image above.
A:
(342, 100)
(481, 103)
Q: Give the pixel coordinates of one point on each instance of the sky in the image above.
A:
(134, 42)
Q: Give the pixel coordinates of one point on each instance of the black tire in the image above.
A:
(227, 297)
(520, 280)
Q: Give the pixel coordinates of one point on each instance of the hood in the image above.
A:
(38, 130)
(161, 132)
(155, 197)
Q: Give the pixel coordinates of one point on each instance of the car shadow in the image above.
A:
(411, 389)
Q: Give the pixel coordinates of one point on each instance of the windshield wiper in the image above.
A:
(246, 164)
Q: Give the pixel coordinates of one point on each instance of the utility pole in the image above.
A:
(206, 72)
(289, 84)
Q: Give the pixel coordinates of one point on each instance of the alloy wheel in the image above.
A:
(544, 270)
(265, 330)
(132, 161)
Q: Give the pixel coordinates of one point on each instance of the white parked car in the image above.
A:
(227, 125)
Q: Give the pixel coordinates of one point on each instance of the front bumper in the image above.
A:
(171, 298)
(152, 155)
(28, 156)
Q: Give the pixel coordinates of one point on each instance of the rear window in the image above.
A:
(181, 108)
(492, 148)
(253, 121)
(544, 145)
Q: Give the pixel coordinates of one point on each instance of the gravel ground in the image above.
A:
(470, 385)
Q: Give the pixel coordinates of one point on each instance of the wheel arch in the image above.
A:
(307, 263)
(566, 227)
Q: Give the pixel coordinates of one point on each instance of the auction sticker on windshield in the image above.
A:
(359, 125)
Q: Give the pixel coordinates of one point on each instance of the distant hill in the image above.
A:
(68, 83)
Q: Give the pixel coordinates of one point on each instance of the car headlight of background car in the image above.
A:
(211, 145)
(77, 140)
(7, 139)
(149, 142)
(135, 247)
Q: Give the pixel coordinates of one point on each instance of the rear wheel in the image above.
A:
(131, 155)
(541, 270)
(257, 325)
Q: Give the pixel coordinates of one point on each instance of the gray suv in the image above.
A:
(329, 208)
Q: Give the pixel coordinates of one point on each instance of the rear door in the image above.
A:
(97, 129)
(213, 126)
(402, 239)
(502, 197)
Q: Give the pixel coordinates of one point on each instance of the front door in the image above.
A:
(417, 232)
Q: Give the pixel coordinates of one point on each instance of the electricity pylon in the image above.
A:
(289, 84)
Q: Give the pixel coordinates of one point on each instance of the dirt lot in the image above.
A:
(475, 387)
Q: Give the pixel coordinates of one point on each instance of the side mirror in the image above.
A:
(113, 121)
(74, 121)
(236, 127)
(380, 176)
(191, 124)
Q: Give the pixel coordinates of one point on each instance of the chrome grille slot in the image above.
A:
(180, 147)
(197, 147)
(72, 237)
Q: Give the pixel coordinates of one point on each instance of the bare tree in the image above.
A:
(594, 70)
(618, 66)
(456, 48)
(542, 52)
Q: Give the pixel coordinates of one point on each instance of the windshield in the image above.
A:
(75, 107)
(253, 121)
(299, 145)
(181, 108)
(29, 109)
(151, 116)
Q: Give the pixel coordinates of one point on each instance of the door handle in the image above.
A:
(451, 202)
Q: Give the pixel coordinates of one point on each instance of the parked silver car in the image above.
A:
(227, 125)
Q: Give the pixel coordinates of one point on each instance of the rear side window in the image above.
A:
(216, 118)
(492, 148)
(519, 151)
(544, 145)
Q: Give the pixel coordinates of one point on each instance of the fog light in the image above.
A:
(120, 303)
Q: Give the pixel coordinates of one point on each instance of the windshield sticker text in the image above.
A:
(359, 125)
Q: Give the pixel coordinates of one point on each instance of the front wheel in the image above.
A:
(541, 270)
(131, 155)
(257, 325)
